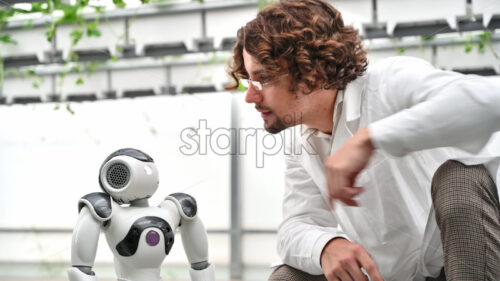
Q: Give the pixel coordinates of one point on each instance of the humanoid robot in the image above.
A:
(140, 236)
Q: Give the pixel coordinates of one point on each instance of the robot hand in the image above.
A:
(78, 274)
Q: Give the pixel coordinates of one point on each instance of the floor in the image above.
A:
(25, 273)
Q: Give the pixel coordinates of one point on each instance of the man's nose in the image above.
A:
(253, 96)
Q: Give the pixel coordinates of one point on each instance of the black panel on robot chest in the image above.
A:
(128, 246)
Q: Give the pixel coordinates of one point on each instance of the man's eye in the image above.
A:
(265, 79)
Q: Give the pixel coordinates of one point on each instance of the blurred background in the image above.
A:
(81, 79)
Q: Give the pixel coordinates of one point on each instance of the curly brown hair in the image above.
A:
(307, 35)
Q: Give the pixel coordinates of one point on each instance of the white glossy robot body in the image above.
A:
(139, 236)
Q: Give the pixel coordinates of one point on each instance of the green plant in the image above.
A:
(264, 3)
(242, 88)
(399, 49)
(480, 41)
(31, 74)
(71, 15)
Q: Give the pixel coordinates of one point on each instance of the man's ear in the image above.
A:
(316, 79)
(319, 75)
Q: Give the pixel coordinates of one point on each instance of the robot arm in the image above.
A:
(194, 237)
(95, 209)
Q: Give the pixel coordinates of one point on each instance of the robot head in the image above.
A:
(128, 174)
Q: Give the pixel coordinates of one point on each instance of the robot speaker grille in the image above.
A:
(118, 175)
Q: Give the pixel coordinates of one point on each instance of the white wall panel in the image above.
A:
(96, 83)
(24, 86)
(225, 23)
(199, 74)
(165, 29)
(354, 12)
(260, 249)
(486, 6)
(408, 10)
(29, 42)
(138, 79)
(423, 53)
(261, 171)
(49, 156)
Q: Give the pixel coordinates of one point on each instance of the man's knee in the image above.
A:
(458, 190)
(288, 273)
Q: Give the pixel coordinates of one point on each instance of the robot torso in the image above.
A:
(140, 239)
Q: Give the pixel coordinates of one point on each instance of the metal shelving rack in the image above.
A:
(204, 45)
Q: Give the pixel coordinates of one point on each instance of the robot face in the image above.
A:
(126, 178)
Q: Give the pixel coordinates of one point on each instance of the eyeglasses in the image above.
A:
(259, 85)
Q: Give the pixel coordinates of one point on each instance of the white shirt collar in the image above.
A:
(352, 105)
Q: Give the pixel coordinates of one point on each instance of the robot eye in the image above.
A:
(148, 170)
(118, 175)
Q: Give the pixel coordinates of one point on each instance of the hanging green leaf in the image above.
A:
(92, 67)
(13, 73)
(29, 24)
(82, 3)
(79, 81)
(484, 40)
(77, 68)
(50, 33)
(5, 38)
(76, 35)
(119, 3)
(92, 29)
(68, 108)
(265, 3)
(242, 88)
(469, 44)
(4, 14)
(428, 37)
(99, 9)
(29, 73)
(42, 7)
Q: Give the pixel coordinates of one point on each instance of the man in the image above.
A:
(371, 184)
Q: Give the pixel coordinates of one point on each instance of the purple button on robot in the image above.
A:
(152, 238)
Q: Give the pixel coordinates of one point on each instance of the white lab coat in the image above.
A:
(415, 114)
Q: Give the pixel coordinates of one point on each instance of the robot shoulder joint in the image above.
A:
(185, 203)
(99, 204)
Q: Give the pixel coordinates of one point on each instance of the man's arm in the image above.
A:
(309, 239)
(308, 224)
(434, 108)
(430, 108)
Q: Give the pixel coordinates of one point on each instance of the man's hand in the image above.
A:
(344, 165)
(342, 260)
